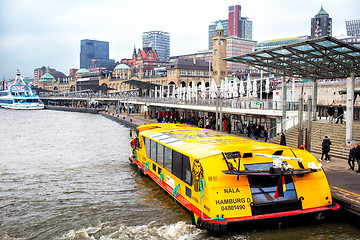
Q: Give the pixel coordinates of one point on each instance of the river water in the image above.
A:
(66, 175)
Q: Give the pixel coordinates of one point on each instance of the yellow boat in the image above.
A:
(223, 179)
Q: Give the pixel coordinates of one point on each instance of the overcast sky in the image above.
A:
(36, 33)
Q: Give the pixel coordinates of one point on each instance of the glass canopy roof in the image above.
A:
(319, 58)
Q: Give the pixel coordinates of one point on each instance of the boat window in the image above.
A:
(153, 150)
(160, 154)
(147, 147)
(186, 170)
(177, 164)
(167, 158)
(181, 167)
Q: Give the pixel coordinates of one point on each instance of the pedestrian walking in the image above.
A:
(331, 112)
(340, 114)
(228, 127)
(351, 159)
(257, 132)
(200, 123)
(253, 127)
(266, 134)
(357, 155)
(248, 130)
(282, 139)
(207, 123)
(325, 147)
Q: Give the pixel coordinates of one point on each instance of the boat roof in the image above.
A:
(201, 142)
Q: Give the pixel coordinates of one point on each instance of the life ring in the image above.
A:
(302, 147)
(133, 143)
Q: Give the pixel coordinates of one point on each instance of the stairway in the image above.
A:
(336, 133)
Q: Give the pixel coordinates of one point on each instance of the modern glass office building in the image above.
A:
(93, 51)
(158, 41)
(353, 28)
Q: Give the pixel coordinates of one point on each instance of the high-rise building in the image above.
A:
(158, 41)
(234, 26)
(321, 24)
(93, 52)
(234, 21)
(246, 28)
(353, 28)
(236, 47)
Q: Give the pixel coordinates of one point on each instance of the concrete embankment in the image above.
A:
(71, 109)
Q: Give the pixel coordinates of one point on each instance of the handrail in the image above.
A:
(282, 122)
(327, 124)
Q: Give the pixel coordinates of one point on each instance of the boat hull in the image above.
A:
(23, 106)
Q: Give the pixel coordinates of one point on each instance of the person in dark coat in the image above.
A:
(340, 114)
(248, 130)
(326, 148)
(228, 127)
(331, 112)
(266, 134)
(357, 155)
(351, 159)
(253, 127)
(282, 139)
(257, 132)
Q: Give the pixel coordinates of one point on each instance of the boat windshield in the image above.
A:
(21, 90)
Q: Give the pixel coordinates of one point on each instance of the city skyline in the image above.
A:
(37, 33)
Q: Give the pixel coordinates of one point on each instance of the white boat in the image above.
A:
(20, 96)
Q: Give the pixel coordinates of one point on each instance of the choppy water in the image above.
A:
(66, 175)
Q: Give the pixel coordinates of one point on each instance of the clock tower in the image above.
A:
(219, 65)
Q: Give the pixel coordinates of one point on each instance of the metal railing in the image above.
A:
(246, 103)
(270, 131)
(319, 130)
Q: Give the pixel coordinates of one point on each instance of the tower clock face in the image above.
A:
(216, 42)
(222, 42)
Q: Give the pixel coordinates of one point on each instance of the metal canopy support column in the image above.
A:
(350, 83)
(308, 136)
(315, 90)
(283, 122)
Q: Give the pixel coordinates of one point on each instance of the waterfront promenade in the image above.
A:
(343, 182)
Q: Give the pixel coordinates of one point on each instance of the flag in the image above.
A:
(281, 188)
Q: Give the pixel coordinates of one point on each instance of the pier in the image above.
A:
(342, 181)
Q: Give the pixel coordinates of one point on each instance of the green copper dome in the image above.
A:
(47, 77)
(219, 26)
(82, 70)
(322, 12)
(122, 66)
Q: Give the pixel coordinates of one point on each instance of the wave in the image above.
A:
(176, 231)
